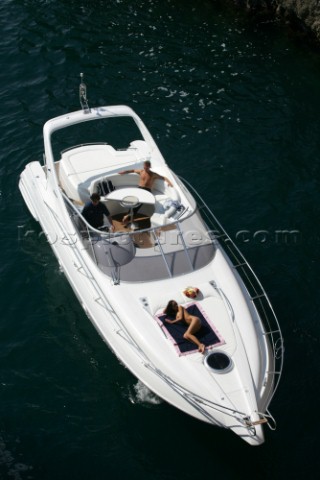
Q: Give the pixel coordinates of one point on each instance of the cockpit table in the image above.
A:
(131, 197)
(143, 196)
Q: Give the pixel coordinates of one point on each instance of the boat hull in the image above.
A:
(125, 313)
(80, 272)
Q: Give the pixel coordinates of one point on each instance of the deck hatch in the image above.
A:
(218, 362)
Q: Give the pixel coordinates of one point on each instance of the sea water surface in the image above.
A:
(234, 107)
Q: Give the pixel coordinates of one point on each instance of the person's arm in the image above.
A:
(172, 321)
(84, 211)
(165, 179)
(179, 316)
(168, 181)
(128, 171)
(180, 312)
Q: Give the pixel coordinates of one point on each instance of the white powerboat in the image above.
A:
(172, 249)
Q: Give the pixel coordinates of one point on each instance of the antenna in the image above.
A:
(83, 95)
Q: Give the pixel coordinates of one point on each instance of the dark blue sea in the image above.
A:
(233, 103)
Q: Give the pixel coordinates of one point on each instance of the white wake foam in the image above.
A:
(142, 395)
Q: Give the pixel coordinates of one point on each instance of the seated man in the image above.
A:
(94, 210)
(147, 178)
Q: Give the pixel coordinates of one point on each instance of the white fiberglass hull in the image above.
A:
(124, 314)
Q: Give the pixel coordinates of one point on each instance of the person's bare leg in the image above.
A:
(194, 326)
(126, 219)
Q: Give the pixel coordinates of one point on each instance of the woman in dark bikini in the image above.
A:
(181, 314)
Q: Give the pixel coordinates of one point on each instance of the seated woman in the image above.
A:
(181, 314)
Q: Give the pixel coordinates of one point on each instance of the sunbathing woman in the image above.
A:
(181, 314)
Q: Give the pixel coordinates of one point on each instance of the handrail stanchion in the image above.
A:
(157, 242)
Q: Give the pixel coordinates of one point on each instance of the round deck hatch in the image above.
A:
(219, 362)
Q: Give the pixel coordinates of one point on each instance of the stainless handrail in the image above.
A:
(110, 235)
(157, 241)
(245, 271)
(193, 399)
